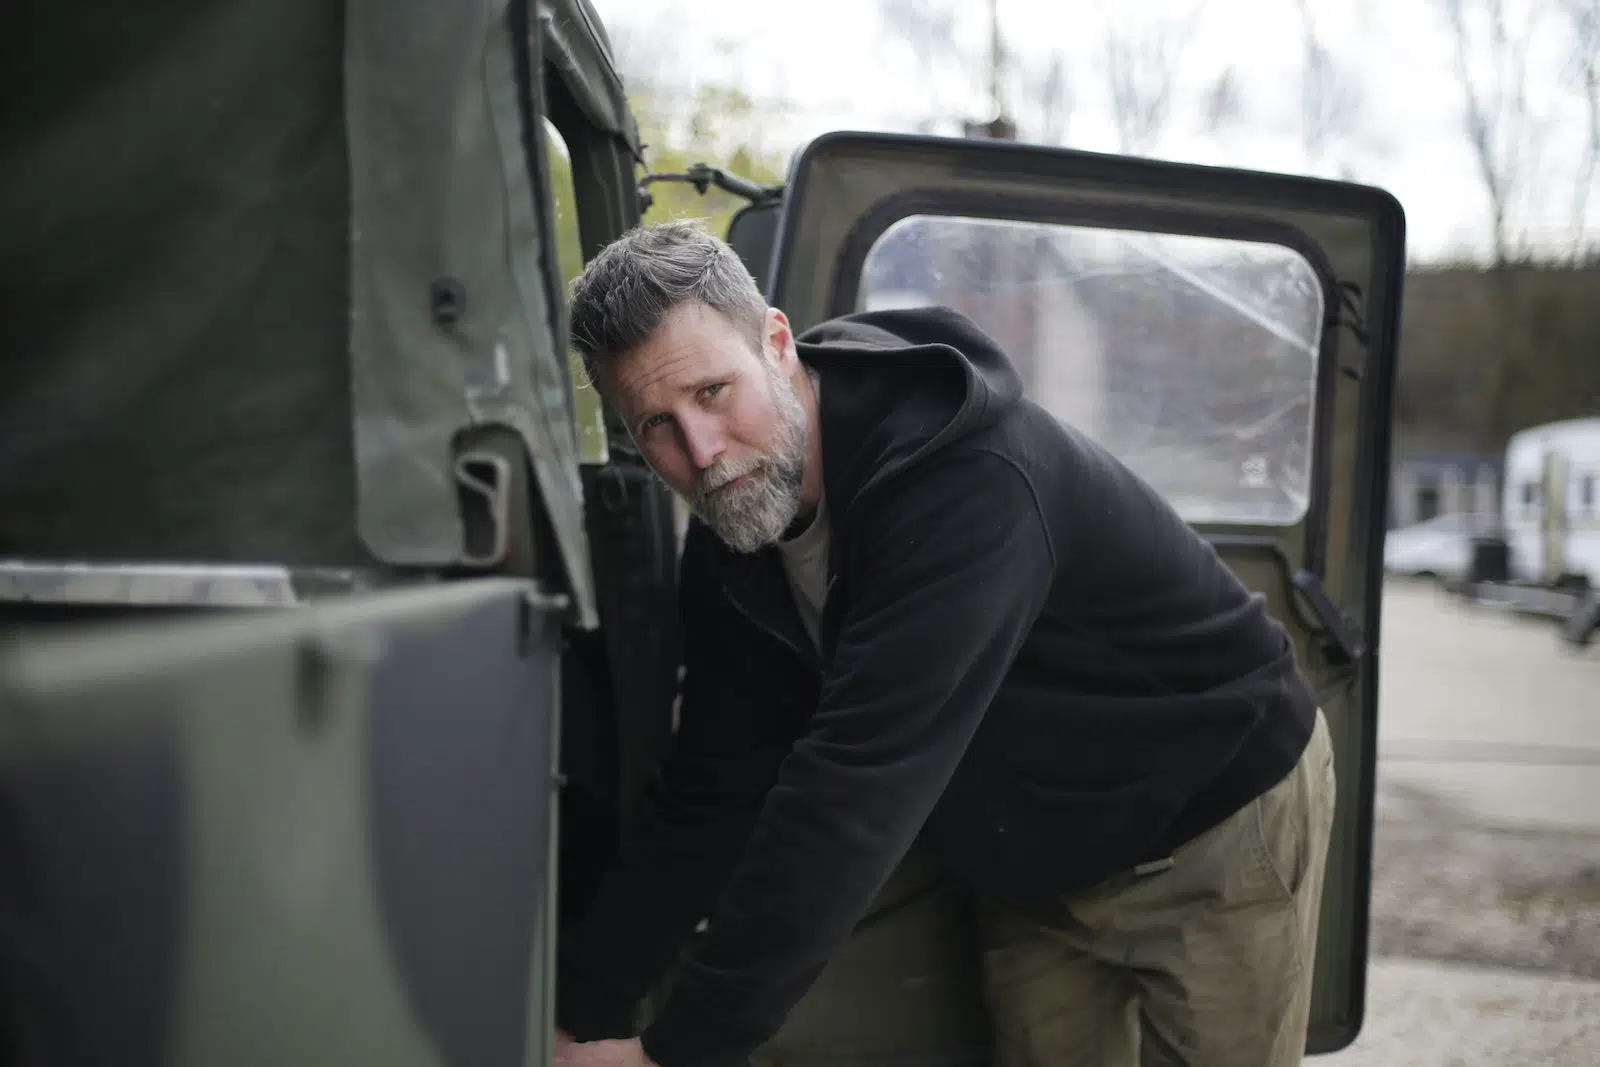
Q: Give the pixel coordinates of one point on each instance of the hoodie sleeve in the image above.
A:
(691, 829)
(950, 564)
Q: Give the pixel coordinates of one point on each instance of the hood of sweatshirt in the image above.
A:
(898, 386)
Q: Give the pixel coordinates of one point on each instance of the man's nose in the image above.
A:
(703, 442)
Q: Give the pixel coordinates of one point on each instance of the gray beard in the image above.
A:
(756, 512)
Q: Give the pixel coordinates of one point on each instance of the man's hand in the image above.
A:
(562, 1042)
(601, 1054)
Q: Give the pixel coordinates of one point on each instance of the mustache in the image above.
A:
(724, 471)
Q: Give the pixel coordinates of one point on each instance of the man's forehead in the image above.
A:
(692, 342)
(697, 322)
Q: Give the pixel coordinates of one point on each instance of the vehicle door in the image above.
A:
(1230, 335)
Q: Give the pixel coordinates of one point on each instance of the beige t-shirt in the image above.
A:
(805, 561)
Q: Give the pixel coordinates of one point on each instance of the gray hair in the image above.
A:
(626, 290)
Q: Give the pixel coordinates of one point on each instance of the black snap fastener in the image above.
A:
(447, 299)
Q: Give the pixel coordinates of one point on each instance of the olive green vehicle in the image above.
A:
(339, 624)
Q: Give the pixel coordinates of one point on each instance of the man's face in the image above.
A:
(718, 421)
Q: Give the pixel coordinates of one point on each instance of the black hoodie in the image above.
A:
(1028, 660)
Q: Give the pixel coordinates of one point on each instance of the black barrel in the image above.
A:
(1491, 560)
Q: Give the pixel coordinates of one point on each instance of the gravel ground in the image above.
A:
(1486, 865)
(1426, 1014)
(1486, 944)
(1445, 889)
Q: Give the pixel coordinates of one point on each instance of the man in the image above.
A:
(918, 607)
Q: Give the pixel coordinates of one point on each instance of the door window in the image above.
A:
(1193, 359)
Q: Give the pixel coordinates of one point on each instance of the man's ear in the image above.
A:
(778, 340)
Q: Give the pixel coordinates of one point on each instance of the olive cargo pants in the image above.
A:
(1203, 963)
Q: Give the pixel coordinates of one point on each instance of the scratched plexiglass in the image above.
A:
(1192, 359)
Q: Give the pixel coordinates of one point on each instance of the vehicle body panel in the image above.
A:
(312, 836)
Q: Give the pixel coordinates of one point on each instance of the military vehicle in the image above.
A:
(339, 620)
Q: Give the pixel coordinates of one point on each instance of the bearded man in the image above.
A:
(917, 608)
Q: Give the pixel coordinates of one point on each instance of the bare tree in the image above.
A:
(1490, 52)
(928, 29)
(1042, 93)
(1141, 63)
(999, 59)
(1501, 129)
(1330, 102)
(1222, 102)
(1046, 93)
(1583, 72)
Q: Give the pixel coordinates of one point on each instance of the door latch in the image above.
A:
(1342, 640)
(483, 481)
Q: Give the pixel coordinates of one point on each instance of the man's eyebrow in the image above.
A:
(700, 383)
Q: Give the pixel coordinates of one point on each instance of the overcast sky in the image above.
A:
(818, 65)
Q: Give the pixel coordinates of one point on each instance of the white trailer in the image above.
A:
(1550, 518)
(1551, 504)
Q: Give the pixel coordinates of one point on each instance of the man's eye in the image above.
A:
(712, 390)
(653, 421)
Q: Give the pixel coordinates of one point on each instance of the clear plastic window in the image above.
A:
(1192, 359)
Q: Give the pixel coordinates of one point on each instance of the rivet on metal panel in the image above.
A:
(314, 671)
(447, 300)
(535, 607)
(318, 658)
